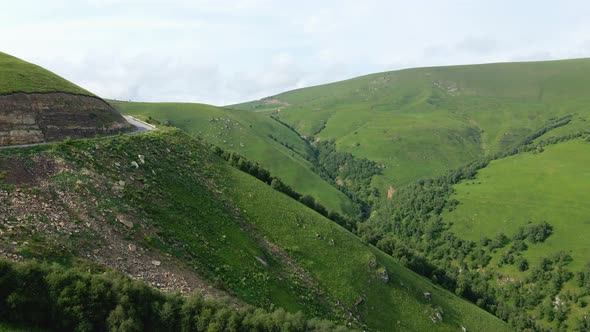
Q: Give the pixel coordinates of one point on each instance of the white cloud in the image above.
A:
(221, 51)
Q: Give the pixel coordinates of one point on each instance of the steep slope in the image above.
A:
(255, 136)
(421, 122)
(161, 207)
(38, 106)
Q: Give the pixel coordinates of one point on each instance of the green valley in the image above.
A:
(184, 203)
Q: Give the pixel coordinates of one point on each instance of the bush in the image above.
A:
(538, 232)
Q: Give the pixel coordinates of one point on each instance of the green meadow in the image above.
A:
(551, 186)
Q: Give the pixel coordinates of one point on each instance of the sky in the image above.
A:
(223, 52)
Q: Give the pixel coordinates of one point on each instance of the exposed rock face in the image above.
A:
(27, 118)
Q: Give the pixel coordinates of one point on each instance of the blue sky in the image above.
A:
(222, 52)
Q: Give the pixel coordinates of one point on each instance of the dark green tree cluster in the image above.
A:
(243, 164)
(350, 175)
(355, 173)
(551, 124)
(534, 233)
(65, 299)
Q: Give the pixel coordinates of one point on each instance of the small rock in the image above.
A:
(122, 183)
(134, 164)
(127, 223)
(132, 247)
(141, 158)
(156, 263)
(261, 261)
(384, 276)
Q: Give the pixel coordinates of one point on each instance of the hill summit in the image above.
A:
(38, 106)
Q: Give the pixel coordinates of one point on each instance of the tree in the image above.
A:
(308, 200)
(522, 264)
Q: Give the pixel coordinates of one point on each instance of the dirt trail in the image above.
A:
(390, 192)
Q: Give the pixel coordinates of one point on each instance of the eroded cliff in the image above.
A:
(27, 118)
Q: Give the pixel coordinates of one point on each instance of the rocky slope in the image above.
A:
(27, 118)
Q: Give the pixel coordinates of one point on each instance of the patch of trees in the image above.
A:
(355, 173)
(552, 124)
(583, 278)
(528, 145)
(277, 184)
(410, 228)
(534, 233)
(55, 298)
(350, 175)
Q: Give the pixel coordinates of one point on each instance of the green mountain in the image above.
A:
(422, 122)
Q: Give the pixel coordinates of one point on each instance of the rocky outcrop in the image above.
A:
(27, 118)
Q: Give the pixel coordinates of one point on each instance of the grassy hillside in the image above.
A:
(284, 154)
(421, 122)
(524, 190)
(20, 76)
(528, 188)
(169, 195)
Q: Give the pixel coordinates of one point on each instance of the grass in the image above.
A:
(20, 76)
(531, 187)
(248, 134)
(217, 219)
(420, 122)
